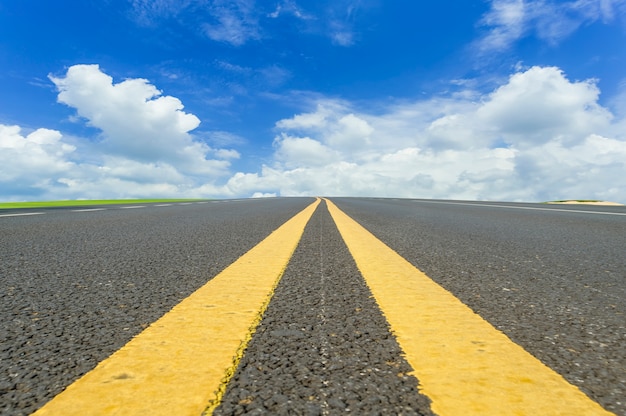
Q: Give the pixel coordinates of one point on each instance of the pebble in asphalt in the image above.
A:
(323, 346)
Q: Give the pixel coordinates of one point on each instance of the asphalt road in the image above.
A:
(323, 346)
(76, 286)
(551, 277)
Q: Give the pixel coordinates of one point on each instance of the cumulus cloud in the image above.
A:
(302, 152)
(145, 147)
(551, 21)
(29, 162)
(539, 136)
(541, 103)
(349, 132)
(136, 121)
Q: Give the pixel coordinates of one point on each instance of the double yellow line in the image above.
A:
(181, 364)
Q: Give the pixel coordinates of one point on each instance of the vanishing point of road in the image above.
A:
(313, 307)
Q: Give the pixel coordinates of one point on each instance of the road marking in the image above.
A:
(465, 365)
(531, 208)
(88, 210)
(180, 364)
(163, 205)
(22, 214)
(133, 207)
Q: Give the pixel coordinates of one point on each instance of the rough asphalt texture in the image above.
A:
(554, 282)
(323, 346)
(75, 287)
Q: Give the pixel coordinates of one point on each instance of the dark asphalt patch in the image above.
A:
(323, 346)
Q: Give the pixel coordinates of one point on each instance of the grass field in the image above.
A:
(82, 203)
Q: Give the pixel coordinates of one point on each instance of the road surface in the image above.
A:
(78, 284)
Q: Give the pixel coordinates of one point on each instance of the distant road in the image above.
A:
(78, 283)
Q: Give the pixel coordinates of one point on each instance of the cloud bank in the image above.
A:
(539, 136)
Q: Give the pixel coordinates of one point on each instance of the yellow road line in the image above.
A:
(465, 365)
(181, 363)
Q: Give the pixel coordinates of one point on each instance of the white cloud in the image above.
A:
(301, 152)
(341, 28)
(594, 167)
(618, 102)
(541, 103)
(28, 162)
(224, 138)
(408, 172)
(145, 147)
(288, 7)
(349, 132)
(227, 154)
(229, 21)
(551, 21)
(234, 22)
(507, 20)
(146, 12)
(233, 68)
(540, 136)
(313, 120)
(140, 172)
(341, 36)
(352, 133)
(237, 22)
(334, 20)
(136, 121)
(274, 75)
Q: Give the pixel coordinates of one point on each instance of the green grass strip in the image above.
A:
(83, 203)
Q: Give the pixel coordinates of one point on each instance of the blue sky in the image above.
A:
(490, 100)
